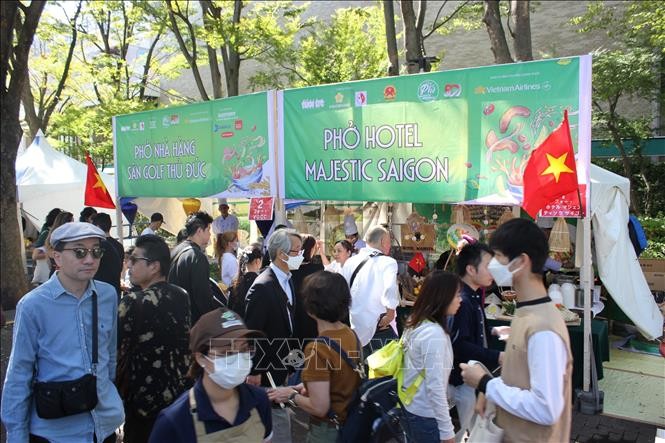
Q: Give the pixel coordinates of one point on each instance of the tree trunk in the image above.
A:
(412, 42)
(230, 55)
(519, 12)
(14, 280)
(498, 43)
(627, 167)
(391, 38)
(210, 11)
(31, 117)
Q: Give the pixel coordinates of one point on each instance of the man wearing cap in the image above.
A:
(351, 233)
(53, 342)
(220, 406)
(270, 308)
(190, 268)
(156, 221)
(225, 222)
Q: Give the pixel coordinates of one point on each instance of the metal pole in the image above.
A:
(586, 284)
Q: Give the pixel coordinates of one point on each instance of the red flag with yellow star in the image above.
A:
(551, 171)
(96, 193)
(417, 263)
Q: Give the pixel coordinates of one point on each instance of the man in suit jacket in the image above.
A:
(270, 308)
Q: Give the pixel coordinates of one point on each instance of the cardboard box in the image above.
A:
(655, 280)
(652, 265)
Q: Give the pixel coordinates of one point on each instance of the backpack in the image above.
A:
(380, 400)
(637, 236)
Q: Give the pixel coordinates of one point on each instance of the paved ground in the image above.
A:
(586, 428)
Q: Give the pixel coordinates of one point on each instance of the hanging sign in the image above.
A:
(220, 148)
(446, 137)
(260, 208)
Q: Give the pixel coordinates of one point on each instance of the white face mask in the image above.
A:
(500, 273)
(294, 262)
(232, 370)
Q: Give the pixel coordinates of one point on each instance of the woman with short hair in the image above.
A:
(329, 382)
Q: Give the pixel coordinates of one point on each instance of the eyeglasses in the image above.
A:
(296, 251)
(80, 253)
(134, 258)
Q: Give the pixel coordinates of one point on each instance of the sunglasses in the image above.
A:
(80, 253)
(134, 258)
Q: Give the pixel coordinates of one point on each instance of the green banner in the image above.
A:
(455, 136)
(217, 148)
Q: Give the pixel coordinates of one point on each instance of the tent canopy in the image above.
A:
(618, 266)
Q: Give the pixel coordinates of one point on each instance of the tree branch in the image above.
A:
(436, 26)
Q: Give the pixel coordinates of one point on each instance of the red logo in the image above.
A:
(389, 93)
(227, 134)
(238, 124)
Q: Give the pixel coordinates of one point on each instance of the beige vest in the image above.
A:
(252, 430)
(515, 372)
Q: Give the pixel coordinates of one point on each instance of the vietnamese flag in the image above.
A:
(550, 171)
(417, 263)
(96, 193)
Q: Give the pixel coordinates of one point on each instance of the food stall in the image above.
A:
(459, 137)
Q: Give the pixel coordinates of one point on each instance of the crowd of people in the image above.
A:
(147, 343)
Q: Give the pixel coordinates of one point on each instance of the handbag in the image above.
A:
(42, 269)
(484, 430)
(57, 399)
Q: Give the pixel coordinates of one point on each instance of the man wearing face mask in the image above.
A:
(220, 406)
(270, 308)
(533, 394)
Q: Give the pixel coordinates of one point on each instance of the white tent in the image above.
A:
(618, 266)
(48, 179)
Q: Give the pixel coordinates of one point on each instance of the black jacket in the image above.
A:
(306, 326)
(110, 265)
(468, 334)
(190, 270)
(267, 311)
(239, 292)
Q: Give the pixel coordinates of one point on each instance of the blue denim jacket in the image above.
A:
(53, 342)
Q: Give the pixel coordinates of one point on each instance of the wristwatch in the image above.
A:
(292, 398)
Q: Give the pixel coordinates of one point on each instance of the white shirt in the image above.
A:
(543, 403)
(374, 290)
(334, 266)
(283, 279)
(229, 268)
(147, 231)
(221, 225)
(429, 347)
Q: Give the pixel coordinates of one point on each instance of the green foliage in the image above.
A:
(349, 47)
(654, 175)
(654, 228)
(106, 75)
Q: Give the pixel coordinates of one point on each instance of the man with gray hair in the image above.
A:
(270, 308)
(372, 277)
